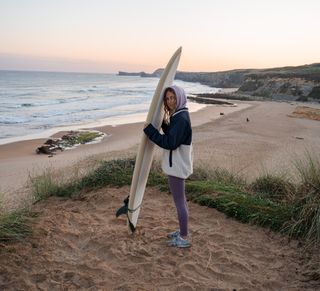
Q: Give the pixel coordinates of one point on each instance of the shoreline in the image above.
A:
(19, 161)
(108, 121)
(268, 142)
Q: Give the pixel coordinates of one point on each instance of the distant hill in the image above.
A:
(284, 83)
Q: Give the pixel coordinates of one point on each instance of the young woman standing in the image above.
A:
(177, 161)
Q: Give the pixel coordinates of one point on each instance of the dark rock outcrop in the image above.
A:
(129, 74)
(228, 96)
(156, 74)
(315, 92)
(69, 140)
(210, 100)
(49, 147)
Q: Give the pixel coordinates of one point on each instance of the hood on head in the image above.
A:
(180, 95)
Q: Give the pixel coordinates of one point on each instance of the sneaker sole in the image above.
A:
(180, 246)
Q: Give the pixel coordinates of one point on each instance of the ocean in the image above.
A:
(37, 104)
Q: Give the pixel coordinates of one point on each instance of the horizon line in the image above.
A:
(102, 73)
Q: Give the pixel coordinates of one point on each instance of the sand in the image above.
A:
(270, 142)
(79, 244)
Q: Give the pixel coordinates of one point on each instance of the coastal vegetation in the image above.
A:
(269, 200)
(275, 202)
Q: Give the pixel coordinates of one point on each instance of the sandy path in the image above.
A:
(79, 244)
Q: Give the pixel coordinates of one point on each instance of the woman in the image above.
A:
(177, 161)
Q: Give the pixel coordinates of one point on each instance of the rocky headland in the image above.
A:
(300, 83)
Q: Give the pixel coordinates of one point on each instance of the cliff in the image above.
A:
(301, 83)
(226, 79)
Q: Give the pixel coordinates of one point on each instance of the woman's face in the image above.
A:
(171, 101)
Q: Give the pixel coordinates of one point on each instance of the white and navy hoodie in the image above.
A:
(177, 144)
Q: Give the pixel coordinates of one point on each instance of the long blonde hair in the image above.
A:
(167, 111)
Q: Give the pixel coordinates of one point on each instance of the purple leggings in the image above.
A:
(177, 188)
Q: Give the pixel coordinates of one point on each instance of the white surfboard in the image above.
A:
(146, 147)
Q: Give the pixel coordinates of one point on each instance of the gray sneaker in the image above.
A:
(173, 234)
(179, 242)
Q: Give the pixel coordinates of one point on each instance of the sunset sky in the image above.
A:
(141, 35)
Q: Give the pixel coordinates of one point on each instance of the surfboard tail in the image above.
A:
(123, 210)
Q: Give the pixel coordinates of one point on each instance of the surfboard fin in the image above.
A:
(123, 209)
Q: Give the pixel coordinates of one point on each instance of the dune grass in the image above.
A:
(14, 226)
(240, 205)
(43, 186)
(264, 202)
(269, 201)
(306, 219)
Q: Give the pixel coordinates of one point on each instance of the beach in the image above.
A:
(79, 244)
(19, 161)
(269, 142)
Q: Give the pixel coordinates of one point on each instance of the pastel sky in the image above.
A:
(141, 35)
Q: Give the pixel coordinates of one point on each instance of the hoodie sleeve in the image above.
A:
(173, 137)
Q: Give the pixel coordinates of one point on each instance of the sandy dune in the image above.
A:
(79, 244)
